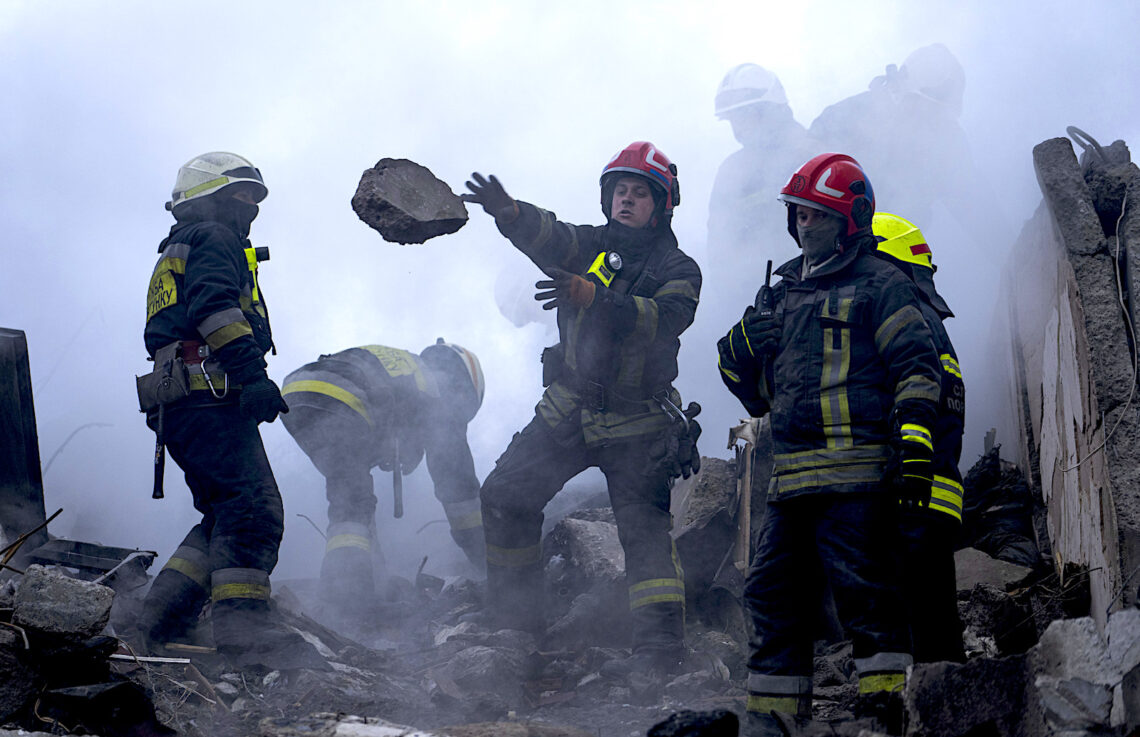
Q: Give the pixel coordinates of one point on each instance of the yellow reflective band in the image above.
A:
(228, 334)
(204, 186)
(646, 323)
(765, 704)
(655, 583)
(189, 570)
(329, 390)
(917, 434)
(946, 497)
(746, 341)
(514, 557)
(198, 382)
(601, 270)
(347, 540)
(890, 682)
(950, 366)
(732, 376)
(833, 401)
(893, 325)
(917, 387)
(468, 521)
(657, 599)
(240, 591)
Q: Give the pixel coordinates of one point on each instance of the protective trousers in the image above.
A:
(228, 473)
(847, 538)
(530, 472)
(930, 589)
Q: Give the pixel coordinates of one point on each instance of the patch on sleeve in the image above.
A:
(162, 293)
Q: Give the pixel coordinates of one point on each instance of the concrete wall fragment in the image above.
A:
(21, 483)
(1074, 377)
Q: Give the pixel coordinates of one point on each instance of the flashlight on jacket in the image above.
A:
(764, 301)
(252, 256)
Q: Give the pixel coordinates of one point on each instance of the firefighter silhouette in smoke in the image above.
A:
(207, 330)
(379, 406)
(624, 292)
(841, 359)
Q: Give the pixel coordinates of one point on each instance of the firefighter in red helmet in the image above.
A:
(844, 365)
(624, 292)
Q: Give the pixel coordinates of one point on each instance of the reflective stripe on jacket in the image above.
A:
(855, 359)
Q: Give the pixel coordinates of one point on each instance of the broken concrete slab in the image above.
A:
(50, 602)
(981, 696)
(326, 724)
(973, 567)
(406, 203)
(718, 723)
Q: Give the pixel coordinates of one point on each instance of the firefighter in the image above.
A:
(843, 363)
(929, 531)
(772, 142)
(380, 406)
(624, 292)
(207, 331)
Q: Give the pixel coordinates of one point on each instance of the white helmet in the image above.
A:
(935, 73)
(748, 84)
(462, 367)
(210, 173)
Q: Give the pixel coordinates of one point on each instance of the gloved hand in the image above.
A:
(687, 453)
(753, 337)
(491, 195)
(565, 289)
(909, 473)
(261, 400)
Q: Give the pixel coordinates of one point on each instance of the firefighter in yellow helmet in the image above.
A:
(929, 530)
(379, 406)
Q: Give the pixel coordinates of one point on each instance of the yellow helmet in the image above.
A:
(900, 238)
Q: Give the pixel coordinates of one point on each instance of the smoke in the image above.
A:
(103, 102)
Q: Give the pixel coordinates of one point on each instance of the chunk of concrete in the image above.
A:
(1074, 703)
(481, 671)
(981, 696)
(716, 723)
(406, 203)
(972, 567)
(56, 604)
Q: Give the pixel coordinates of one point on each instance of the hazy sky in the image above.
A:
(103, 101)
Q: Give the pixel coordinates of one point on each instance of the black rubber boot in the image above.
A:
(247, 635)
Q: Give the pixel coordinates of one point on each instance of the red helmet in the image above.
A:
(643, 159)
(834, 183)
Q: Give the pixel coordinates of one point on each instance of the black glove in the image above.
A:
(261, 400)
(687, 452)
(565, 289)
(753, 337)
(491, 195)
(909, 472)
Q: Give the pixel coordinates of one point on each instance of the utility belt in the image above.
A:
(595, 395)
(181, 369)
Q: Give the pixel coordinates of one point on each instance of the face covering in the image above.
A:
(818, 240)
(237, 214)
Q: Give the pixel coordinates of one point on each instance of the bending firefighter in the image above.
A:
(380, 406)
(207, 331)
(624, 292)
(841, 360)
(929, 531)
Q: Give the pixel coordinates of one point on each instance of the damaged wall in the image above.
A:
(1078, 415)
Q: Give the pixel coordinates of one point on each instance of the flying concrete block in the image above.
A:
(406, 203)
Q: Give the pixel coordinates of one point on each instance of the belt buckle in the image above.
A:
(596, 396)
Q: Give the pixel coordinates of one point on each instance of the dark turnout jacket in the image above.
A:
(627, 339)
(855, 361)
(203, 289)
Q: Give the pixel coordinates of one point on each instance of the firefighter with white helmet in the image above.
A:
(379, 406)
(624, 292)
(207, 331)
(752, 100)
